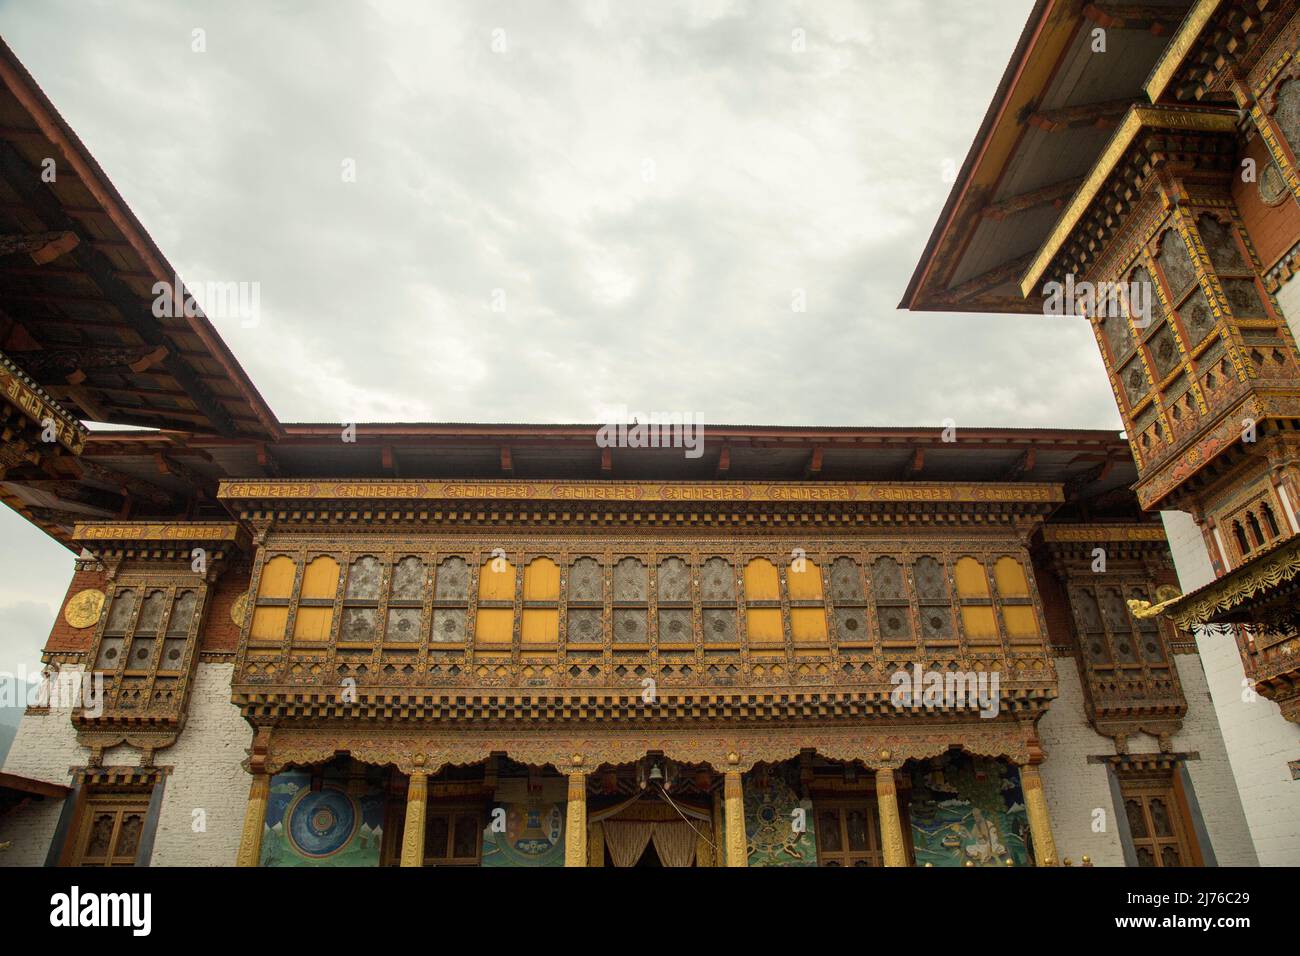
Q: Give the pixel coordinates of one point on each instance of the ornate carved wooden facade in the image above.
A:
(1193, 200)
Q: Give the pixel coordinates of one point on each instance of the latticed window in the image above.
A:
(849, 598)
(893, 607)
(405, 601)
(450, 599)
(1096, 646)
(453, 836)
(933, 600)
(146, 646)
(494, 624)
(1156, 822)
(361, 601)
(586, 602)
(631, 602)
(673, 597)
(111, 830)
(1150, 641)
(718, 601)
(848, 833)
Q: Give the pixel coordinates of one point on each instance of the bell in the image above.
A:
(656, 775)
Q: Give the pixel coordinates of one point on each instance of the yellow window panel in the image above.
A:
(761, 581)
(1010, 578)
(971, 579)
(1021, 621)
(494, 626)
(321, 579)
(496, 580)
(979, 623)
(268, 623)
(541, 581)
(277, 578)
(806, 584)
(808, 625)
(764, 624)
(313, 623)
(539, 626)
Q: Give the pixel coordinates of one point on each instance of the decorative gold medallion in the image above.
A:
(239, 610)
(82, 609)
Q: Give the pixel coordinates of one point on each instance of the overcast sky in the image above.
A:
(558, 208)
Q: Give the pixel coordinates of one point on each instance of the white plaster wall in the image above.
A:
(1288, 299)
(1076, 789)
(44, 749)
(1259, 742)
(206, 775)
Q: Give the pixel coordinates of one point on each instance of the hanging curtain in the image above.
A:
(675, 843)
(627, 840)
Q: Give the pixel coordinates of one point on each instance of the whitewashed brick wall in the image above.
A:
(1258, 740)
(44, 748)
(206, 775)
(1075, 788)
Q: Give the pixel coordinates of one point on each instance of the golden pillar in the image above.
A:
(250, 840)
(417, 800)
(1040, 825)
(575, 825)
(737, 842)
(891, 822)
(719, 832)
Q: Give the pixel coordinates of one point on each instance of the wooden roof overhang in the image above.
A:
(734, 506)
(17, 791)
(1217, 38)
(1049, 119)
(1148, 139)
(161, 540)
(77, 278)
(1263, 592)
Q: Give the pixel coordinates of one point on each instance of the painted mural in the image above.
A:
(968, 809)
(339, 824)
(526, 825)
(770, 822)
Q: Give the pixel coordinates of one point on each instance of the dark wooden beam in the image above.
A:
(1054, 195)
(606, 461)
(1100, 115)
(134, 309)
(267, 460)
(1158, 21)
(916, 464)
(43, 247)
(1023, 464)
(814, 465)
(724, 462)
(507, 463)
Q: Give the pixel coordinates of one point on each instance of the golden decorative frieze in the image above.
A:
(1238, 587)
(157, 531)
(1171, 60)
(642, 491)
(1087, 533)
(416, 748)
(24, 394)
